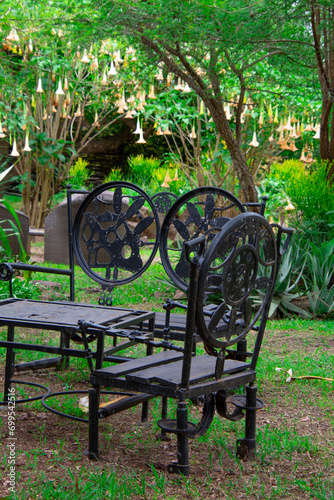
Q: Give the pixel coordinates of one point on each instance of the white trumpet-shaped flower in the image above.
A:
(141, 139)
(39, 86)
(228, 112)
(152, 95)
(59, 90)
(85, 58)
(14, 150)
(193, 135)
(112, 70)
(254, 142)
(317, 133)
(26, 144)
(138, 128)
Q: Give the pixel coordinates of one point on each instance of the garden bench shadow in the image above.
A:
(215, 251)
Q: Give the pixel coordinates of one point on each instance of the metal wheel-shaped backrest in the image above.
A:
(201, 211)
(163, 201)
(240, 262)
(116, 233)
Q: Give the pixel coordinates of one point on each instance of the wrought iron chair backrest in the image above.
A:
(115, 234)
(201, 211)
(239, 265)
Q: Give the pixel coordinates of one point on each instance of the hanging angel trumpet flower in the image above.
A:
(228, 112)
(129, 114)
(179, 85)
(293, 146)
(308, 128)
(193, 135)
(159, 76)
(13, 36)
(112, 70)
(169, 79)
(131, 99)
(176, 176)
(117, 57)
(96, 122)
(317, 133)
(254, 142)
(85, 58)
(39, 86)
(165, 183)
(293, 134)
(159, 131)
(138, 127)
(168, 177)
(30, 46)
(59, 90)
(95, 64)
(298, 129)
(280, 128)
(261, 120)
(276, 116)
(271, 138)
(288, 125)
(78, 111)
(201, 108)
(141, 139)
(122, 106)
(289, 205)
(302, 156)
(152, 95)
(14, 150)
(26, 143)
(104, 80)
(65, 84)
(167, 131)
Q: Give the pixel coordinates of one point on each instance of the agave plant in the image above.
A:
(321, 290)
(287, 284)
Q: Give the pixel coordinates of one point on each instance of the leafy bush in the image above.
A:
(79, 174)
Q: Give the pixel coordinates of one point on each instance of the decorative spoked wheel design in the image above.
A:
(116, 233)
(240, 262)
(202, 211)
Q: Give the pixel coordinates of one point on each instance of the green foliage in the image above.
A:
(287, 287)
(79, 174)
(313, 198)
(150, 175)
(7, 233)
(321, 292)
(22, 289)
(114, 175)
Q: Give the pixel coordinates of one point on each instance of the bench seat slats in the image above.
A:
(203, 367)
(137, 364)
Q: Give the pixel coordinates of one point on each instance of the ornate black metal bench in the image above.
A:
(241, 258)
(108, 241)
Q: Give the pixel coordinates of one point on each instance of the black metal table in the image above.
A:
(66, 318)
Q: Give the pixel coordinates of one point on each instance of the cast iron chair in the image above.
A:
(109, 241)
(241, 259)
